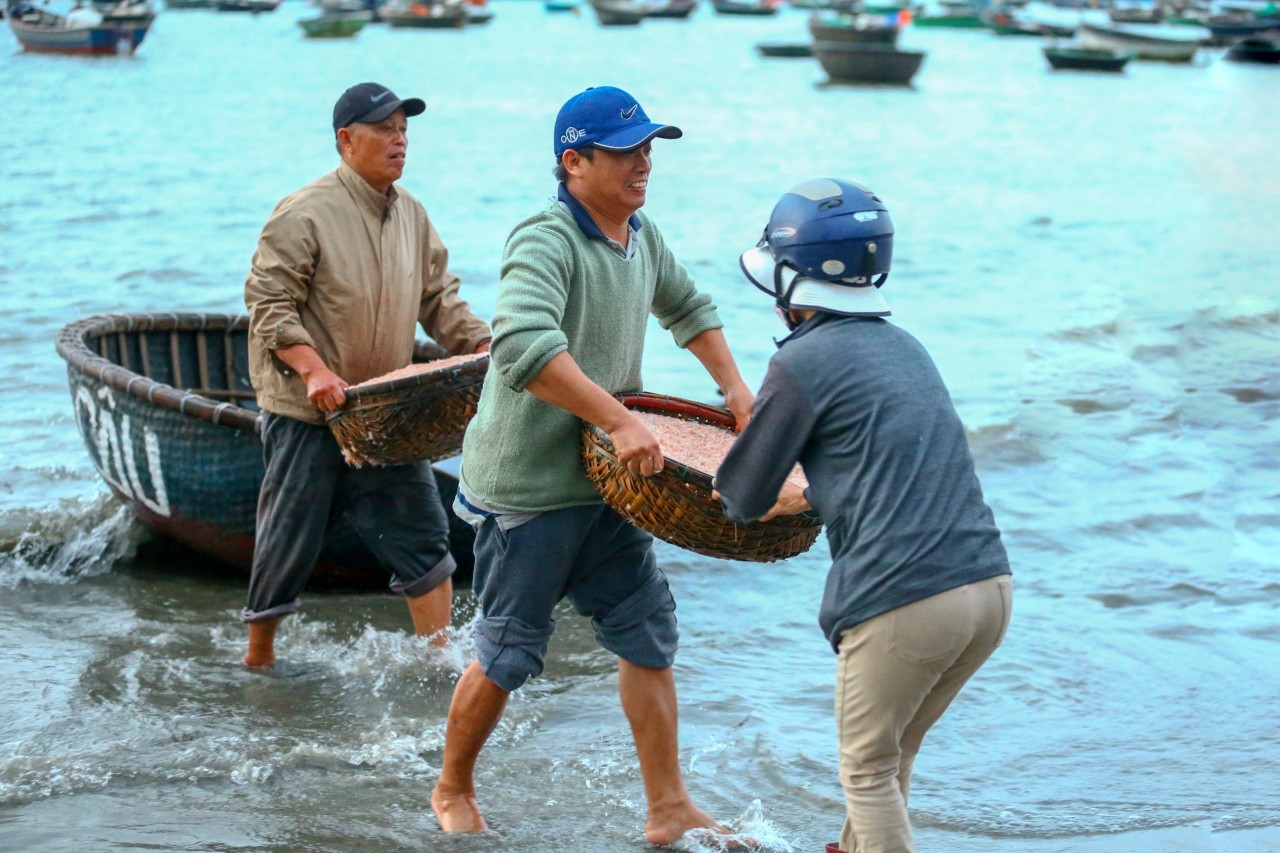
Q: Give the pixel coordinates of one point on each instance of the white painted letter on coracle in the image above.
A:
(114, 458)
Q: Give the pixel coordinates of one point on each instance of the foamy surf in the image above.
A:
(74, 539)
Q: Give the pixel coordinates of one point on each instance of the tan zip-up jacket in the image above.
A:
(351, 272)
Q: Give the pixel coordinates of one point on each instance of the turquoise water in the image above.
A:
(1090, 259)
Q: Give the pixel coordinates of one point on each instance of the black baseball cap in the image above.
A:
(370, 102)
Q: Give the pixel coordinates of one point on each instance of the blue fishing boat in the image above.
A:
(82, 30)
(171, 423)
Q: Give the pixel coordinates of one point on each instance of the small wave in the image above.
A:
(1151, 523)
(392, 743)
(1251, 395)
(1152, 353)
(751, 828)
(166, 274)
(27, 778)
(1068, 818)
(1101, 334)
(77, 538)
(1179, 593)
(387, 657)
(1238, 322)
(91, 218)
(1092, 405)
(1002, 444)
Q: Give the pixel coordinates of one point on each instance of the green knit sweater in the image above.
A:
(562, 290)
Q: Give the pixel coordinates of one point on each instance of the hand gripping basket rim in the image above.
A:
(409, 419)
(675, 504)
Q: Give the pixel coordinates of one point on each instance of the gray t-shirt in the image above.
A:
(859, 403)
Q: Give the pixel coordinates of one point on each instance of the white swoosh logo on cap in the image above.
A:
(383, 95)
(627, 114)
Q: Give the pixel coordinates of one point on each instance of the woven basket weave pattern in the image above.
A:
(675, 504)
(420, 418)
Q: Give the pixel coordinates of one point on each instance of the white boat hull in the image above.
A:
(1142, 46)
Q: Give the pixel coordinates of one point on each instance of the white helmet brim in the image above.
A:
(849, 299)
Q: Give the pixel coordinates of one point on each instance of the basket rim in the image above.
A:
(452, 376)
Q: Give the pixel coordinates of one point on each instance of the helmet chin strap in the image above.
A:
(781, 299)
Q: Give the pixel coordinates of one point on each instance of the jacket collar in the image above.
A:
(365, 195)
(821, 319)
(583, 218)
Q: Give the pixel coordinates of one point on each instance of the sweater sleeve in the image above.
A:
(757, 465)
(279, 280)
(677, 303)
(533, 291)
(443, 313)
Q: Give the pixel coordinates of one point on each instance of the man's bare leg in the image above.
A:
(431, 612)
(473, 714)
(649, 700)
(262, 642)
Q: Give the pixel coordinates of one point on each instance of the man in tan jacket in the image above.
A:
(345, 270)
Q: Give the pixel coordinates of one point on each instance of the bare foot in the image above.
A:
(457, 812)
(670, 825)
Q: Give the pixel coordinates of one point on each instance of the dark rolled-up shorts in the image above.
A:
(395, 511)
(588, 554)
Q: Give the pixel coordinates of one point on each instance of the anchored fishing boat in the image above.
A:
(960, 14)
(1166, 48)
(759, 8)
(1265, 51)
(435, 15)
(677, 9)
(84, 30)
(171, 423)
(333, 25)
(855, 28)
(861, 62)
(1066, 57)
(619, 13)
(785, 50)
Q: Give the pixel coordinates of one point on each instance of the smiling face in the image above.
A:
(612, 182)
(376, 151)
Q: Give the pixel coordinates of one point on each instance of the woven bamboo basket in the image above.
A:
(409, 419)
(675, 504)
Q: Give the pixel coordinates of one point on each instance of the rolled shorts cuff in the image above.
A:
(247, 615)
(439, 573)
(642, 629)
(511, 651)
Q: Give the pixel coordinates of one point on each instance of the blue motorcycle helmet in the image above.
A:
(828, 246)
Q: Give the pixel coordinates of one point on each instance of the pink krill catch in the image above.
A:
(423, 367)
(695, 444)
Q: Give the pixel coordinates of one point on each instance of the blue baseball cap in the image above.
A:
(607, 118)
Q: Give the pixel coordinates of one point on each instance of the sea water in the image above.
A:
(1091, 260)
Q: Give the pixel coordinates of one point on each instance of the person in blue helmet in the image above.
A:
(919, 590)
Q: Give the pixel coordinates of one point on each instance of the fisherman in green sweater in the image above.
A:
(579, 281)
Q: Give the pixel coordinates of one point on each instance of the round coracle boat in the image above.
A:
(171, 423)
(675, 504)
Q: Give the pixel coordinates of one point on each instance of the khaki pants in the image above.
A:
(897, 674)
